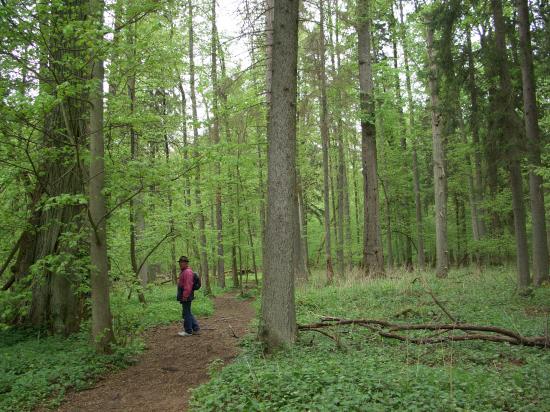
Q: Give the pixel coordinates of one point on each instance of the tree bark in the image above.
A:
(278, 316)
(342, 230)
(540, 240)
(137, 218)
(102, 327)
(414, 140)
(406, 197)
(508, 130)
(56, 305)
(439, 163)
(198, 200)
(373, 258)
(216, 141)
(325, 144)
(477, 212)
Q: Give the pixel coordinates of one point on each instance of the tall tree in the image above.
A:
(373, 257)
(477, 211)
(540, 241)
(278, 315)
(216, 141)
(508, 131)
(439, 162)
(414, 139)
(137, 218)
(102, 328)
(198, 200)
(325, 141)
(54, 231)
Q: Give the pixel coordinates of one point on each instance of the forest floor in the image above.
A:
(171, 365)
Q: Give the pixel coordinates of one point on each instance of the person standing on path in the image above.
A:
(185, 297)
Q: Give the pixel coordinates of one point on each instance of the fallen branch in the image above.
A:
(437, 302)
(387, 329)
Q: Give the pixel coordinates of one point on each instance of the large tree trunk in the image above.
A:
(373, 257)
(278, 316)
(440, 174)
(198, 200)
(56, 305)
(102, 328)
(325, 145)
(540, 240)
(508, 131)
(268, 75)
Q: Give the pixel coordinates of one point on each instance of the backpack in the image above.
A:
(196, 281)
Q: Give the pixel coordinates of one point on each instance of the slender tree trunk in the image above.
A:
(202, 225)
(302, 220)
(137, 219)
(439, 163)
(373, 257)
(477, 212)
(251, 245)
(301, 270)
(406, 198)
(410, 132)
(278, 316)
(325, 145)
(388, 227)
(192, 242)
(540, 240)
(356, 198)
(342, 163)
(508, 131)
(216, 141)
(173, 268)
(102, 327)
(238, 198)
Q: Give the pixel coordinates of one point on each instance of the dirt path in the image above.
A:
(171, 365)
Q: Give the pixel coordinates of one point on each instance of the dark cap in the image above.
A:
(183, 259)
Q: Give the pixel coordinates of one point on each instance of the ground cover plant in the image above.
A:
(38, 369)
(363, 371)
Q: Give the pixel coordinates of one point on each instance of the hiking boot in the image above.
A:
(196, 332)
(184, 333)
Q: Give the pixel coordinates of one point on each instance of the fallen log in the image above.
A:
(387, 329)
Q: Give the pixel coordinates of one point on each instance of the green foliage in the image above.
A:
(363, 371)
(39, 369)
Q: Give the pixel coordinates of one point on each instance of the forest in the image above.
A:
(360, 185)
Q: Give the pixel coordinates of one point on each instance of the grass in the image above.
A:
(368, 373)
(37, 369)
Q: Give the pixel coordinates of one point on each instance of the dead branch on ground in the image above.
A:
(468, 332)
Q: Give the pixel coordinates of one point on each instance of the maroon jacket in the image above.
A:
(185, 281)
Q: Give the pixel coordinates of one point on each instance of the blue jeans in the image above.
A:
(189, 322)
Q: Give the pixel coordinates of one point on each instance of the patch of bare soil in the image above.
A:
(171, 365)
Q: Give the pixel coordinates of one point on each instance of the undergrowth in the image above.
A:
(38, 369)
(365, 372)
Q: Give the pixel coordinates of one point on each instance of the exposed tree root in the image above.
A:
(388, 329)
